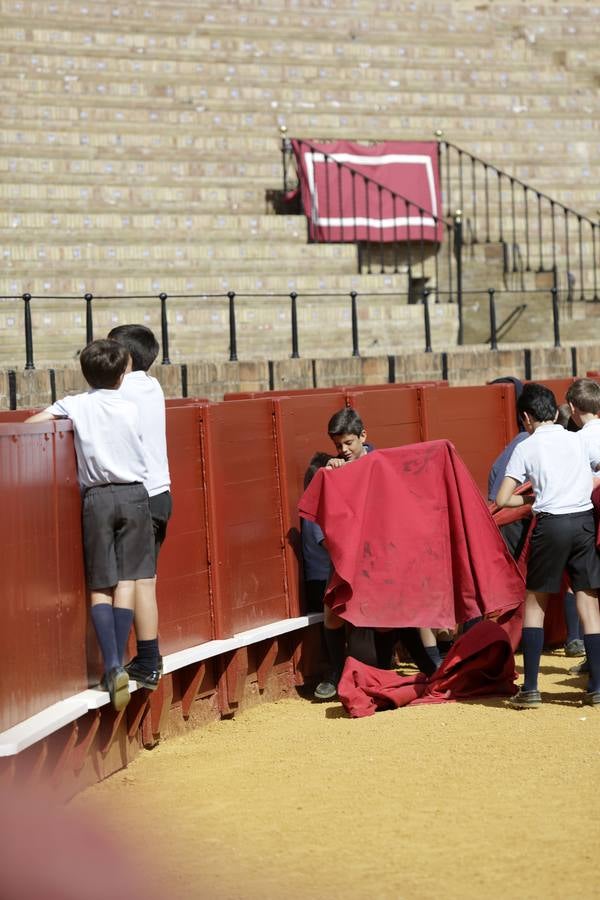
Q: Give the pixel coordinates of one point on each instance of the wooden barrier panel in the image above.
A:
(391, 419)
(558, 386)
(42, 640)
(185, 616)
(479, 421)
(301, 428)
(244, 511)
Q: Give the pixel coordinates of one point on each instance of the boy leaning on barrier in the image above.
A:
(146, 393)
(558, 465)
(117, 527)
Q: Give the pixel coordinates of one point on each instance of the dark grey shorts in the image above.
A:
(118, 540)
(161, 507)
(559, 543)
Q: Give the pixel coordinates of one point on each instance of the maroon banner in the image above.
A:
(386, 192)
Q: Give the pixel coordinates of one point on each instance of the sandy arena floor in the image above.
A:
(294, 800)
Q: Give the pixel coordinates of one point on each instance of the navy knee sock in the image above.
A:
(434, 655)
(361, 645)
(104, 625)
(532, 643)
(411, 638)
(335, 641)
(385, 641)
(147, 653)
(592, 651)
(571, 618)
(123, 622)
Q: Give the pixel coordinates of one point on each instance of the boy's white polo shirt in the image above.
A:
(590, 435)
(147, 394)
(556, 463)
(108, 439)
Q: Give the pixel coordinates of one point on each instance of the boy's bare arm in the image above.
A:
(506, 494)
(43, 416)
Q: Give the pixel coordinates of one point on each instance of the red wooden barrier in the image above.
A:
(479, 421)
(42, 639)
(183, 568)
(245, 516)
(390, 419)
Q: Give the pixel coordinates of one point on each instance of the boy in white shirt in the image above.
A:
(145, 391)
(117, 528)
(557, 463)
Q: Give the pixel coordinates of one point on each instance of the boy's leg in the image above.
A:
(430, 646)
(104, 624)
(589, 613)
(115, 677)
(335, 641)
(123, 605)
(146, 667)
(573, 643)
(532, 643)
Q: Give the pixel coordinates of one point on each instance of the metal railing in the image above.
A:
(539, 234)
(159, 304)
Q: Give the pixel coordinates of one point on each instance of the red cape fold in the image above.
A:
(479, 664)
(412, 541)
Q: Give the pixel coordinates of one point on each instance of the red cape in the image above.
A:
(411, 540)
(480, 663)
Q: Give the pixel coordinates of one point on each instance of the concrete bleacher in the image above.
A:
(140, 149)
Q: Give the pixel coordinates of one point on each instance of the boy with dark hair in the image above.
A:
(117, 528)
(145, 391)
(557, 464)
(349, 437)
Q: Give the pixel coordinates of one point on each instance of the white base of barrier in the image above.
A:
(51, 719)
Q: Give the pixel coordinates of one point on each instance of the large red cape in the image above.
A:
(412, 542)
(480, 663)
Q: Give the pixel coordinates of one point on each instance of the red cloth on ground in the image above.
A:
(411, 541)
(479, 664)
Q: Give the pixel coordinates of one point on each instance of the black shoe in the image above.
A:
(116, 682)
(135, 662)
(146, 678)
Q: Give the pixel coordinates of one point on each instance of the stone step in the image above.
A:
(139, 281)
(482, 70)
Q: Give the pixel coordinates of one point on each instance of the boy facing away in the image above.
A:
(146, 393)
(117, 528)
(557, 463)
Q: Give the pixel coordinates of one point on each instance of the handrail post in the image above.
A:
(28, 332)
(164, 328)
(294, 315)
(426, 320)
(493, 329)
(285, 145)
(458, 244)
(89, 321)
(355, 350)
(555, 319)
(232, 333)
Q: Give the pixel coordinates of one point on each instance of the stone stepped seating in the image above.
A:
(139, 145)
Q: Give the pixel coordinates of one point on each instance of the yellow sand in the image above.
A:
(294, 800)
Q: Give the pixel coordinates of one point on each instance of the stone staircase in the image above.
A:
(140, 151)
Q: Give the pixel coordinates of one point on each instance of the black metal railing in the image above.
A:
(539, 234)
(284, 304)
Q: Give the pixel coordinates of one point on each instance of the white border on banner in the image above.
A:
(310, 159)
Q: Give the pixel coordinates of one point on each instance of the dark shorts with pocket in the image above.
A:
(118, 539)
(161, 507)
(559, 543)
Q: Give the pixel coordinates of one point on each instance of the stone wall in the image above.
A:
(211, 380)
